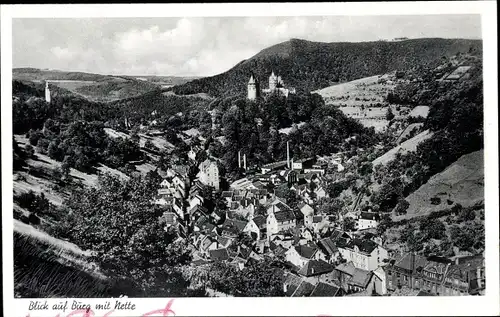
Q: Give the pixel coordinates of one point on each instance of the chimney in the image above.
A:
(288, 154)
(245, 161)
(239, 159)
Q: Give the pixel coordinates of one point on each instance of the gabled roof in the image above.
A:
(239, 224)
(306, 251)
(405, 260)
(284, 215)
(346, 268)
(316, 267)
(219, 255)
(317, 219)
(360, 278)
(364, 245)
(260, 221)
(325, 290)
(199, 209)
(304, 289)
(369, 216)
(228, 194)
(328, 246)
(292, 282)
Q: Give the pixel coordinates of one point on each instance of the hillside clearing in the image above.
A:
(406, 146)
(461, 183)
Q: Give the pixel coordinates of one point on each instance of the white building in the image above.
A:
(364, 254)
(209, 174)
(368, 220)
(280, 221)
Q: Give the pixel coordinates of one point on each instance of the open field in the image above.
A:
(364, 99)
(406, 146)
(462, 182)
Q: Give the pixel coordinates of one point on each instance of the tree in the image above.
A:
(432, 228)
(389, 115)
(402, 207)
(366, 168)
(349, 224)
(29, 150)
(257, 279)
(119, 222)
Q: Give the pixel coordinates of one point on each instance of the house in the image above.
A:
(319, 222)
(355, 280)
(277, 205)
(379, 281)
(242, 184)
(273, 166)
(327, 245)
(290, 176)
(320, 192)
(301, 254)
(280, 219)
(197, 211)
(308, 213)
(303, 290)
(435, 275)
(256, 227)
(360, 281)
(303, 163)
(209, 174)
(306, 235)
(195, 200)
(315, 268)
(319, 168)
(219, 255)
(170, 219)
(365, 254)
(368, 220)
(285, 239)
(326, 290)
(202, 224)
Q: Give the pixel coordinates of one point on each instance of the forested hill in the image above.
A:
(308, 66)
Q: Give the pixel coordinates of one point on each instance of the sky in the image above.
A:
(198, 46)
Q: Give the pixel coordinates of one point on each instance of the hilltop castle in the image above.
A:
(276, 84)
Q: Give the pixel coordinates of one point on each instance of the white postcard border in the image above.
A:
(487, 304)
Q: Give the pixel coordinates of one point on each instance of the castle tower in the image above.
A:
(253, 88)
(273, 81)
(47, 92)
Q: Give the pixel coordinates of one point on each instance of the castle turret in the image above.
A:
(273, 81)
(253, 88)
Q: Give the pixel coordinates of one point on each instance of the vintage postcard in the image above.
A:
(313, 159)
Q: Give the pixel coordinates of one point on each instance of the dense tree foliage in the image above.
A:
(257, 279)
(312, 65)
(120, 224)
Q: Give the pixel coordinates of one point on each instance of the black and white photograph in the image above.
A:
(248, 156)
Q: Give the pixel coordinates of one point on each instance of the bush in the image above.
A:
(402, 207)
(435, 201)
(30, 151)
(34, 219)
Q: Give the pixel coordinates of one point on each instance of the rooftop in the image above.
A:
(325, 290)
(316, 267)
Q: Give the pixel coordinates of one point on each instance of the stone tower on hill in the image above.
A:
(47, 92)
(253, 88)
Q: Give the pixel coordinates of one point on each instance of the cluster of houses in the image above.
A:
(321, 258)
